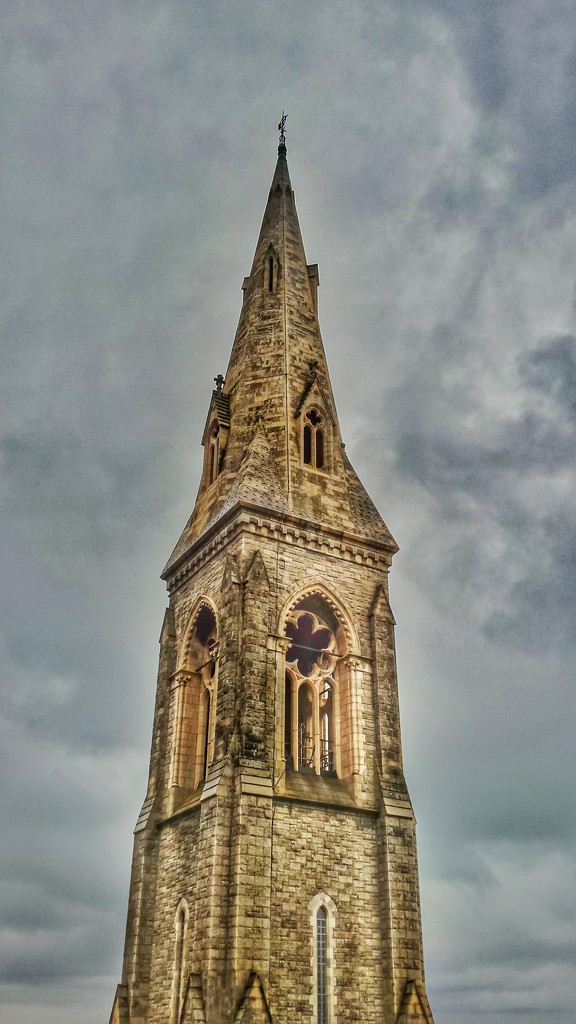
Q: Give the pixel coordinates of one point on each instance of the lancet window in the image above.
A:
(180, 934)
(313, 447)
(194, 703)
(321, 966)
(271, 271)
(213, 455)
(312, 680)
(323, 920)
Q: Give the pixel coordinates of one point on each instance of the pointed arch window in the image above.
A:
(214, 454)
(313, 432)
(323, 921)
(271, 271)
(180, 934)
(194, 703)
(321, 966)
(312, 689)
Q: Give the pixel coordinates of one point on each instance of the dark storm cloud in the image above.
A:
(503, 479)
(552, 370)
(480, 36)
(521, 64)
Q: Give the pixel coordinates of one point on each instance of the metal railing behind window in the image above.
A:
(326, 757)
(305, 748)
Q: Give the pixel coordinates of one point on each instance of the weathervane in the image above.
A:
(281, 128)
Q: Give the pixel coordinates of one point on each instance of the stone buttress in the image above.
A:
(274, 876)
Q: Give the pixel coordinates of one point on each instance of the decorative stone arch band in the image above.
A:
(193, 698)
(323, 917)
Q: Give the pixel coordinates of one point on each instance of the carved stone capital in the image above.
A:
(354, 661)
(181, 678)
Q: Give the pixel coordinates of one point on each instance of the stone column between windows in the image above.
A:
(353, 666)
(180, 727)
(280, 646)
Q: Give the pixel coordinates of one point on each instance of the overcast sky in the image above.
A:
(432, 148)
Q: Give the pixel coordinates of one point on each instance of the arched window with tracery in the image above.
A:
(180, 935)
(194, 702)
(314, 680)
(313, 446)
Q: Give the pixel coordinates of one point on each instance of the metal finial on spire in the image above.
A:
(281, 128)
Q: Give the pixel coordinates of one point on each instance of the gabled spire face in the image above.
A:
(277, 387)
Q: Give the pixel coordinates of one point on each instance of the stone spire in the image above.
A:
(277, 386)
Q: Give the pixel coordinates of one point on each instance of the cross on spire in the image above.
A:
(281, 127)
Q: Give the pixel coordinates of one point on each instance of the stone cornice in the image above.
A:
(285, 527)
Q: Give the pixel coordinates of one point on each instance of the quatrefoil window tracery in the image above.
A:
(311, 654)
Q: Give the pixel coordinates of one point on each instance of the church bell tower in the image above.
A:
(274, 876)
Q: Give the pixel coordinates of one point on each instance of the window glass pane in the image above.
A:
(321, 967)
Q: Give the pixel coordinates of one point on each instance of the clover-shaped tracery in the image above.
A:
(311, 653)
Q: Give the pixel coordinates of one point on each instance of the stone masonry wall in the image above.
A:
(317, 850)
(248, 864)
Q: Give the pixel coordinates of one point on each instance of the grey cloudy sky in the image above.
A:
(432, 147)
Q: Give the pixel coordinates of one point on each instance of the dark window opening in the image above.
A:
(271, 274)
(213, 456)
(319, 450)
(307, 445)
(313, 440)
(309, 642)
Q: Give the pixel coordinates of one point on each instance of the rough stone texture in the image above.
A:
(227, 875)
